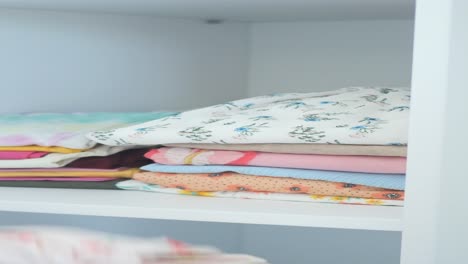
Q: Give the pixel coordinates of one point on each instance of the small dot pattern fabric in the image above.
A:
(235, 182)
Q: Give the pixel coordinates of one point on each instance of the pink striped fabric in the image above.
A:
(367, 164)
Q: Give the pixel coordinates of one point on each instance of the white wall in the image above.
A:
(61, 62)
(318, 56)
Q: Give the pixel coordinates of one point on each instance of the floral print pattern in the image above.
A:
(307, 134)
(196, 133)
(361, 116)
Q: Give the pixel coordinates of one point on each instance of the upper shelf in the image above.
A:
(236, 10)
(132, 204)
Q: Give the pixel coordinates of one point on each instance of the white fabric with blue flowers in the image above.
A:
(369, 116)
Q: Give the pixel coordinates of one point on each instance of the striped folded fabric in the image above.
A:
(368, 164)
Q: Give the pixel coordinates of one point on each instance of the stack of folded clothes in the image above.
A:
(51, 150)
(343, 146)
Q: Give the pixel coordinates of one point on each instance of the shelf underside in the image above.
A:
(132, 204)
(236, 10)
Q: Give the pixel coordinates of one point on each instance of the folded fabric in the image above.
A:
(186, 156)
(386, 181)
(371, 116)
(18, 155)
(39, 245)
(132, 158)
(141, 186)
(235, 182)
(56, 160)
(68, 172)
(320, 149)
(64, 130)
(63, 184)
(61, 179)
(42, 149)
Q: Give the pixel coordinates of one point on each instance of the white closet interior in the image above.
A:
(88, 56)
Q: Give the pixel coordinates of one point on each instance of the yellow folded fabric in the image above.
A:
(42, 149)
(125, 173)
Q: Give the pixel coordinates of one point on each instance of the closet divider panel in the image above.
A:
(435, 221)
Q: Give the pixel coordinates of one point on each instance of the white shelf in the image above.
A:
(238, 10)
(133, 204)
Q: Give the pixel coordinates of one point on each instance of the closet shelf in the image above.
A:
(115, 203)
(238, 10)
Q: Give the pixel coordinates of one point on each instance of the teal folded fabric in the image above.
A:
(65, 130)
(387, 181)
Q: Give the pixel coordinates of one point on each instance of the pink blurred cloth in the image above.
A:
(62, 169)
(62, 179)
(47, 245)
(18, 155)
(367, 164)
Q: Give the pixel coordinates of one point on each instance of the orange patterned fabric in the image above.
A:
(235, 182)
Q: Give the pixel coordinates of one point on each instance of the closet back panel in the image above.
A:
(62, 62)
(320, 56)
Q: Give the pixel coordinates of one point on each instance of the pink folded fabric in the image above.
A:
(368, 164)
(18, 155)
(62, 179)
(61, 169)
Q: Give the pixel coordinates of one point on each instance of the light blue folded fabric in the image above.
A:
(388, 181)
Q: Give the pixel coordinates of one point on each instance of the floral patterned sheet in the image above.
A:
(141, 186)
(387, 181)
(369, 116)
(64, 130)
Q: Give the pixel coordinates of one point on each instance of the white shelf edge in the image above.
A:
(131, 204)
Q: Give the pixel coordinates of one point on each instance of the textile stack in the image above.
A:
(343, 146)
(51, 150)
